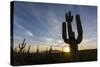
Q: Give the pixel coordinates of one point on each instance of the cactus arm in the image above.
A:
(19, 46)
(69, 17)
(79, 29)
(23, 41)
(64, 34)
(24, 44)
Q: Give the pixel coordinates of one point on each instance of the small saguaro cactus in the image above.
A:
(72, 41)
(50, 51)
(22, 46)
(28, 51)
(37, 51)
(46, 50)
(62, 49)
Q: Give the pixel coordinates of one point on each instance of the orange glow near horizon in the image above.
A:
(84, 45)
(66, 49)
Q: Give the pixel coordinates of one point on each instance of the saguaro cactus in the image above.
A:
(72, 41)
(50, 50)
(62, 49)
(37, 51)
(28, 51)
(22, 46)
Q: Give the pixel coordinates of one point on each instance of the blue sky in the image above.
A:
(41, 24)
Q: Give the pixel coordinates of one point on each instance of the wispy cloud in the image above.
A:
(28, 33)
(54, 42)
(89, 40)
(19, 26)
(23, 29)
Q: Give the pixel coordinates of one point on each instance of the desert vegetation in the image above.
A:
(25, 57)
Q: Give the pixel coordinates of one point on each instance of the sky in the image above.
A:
(41, 24)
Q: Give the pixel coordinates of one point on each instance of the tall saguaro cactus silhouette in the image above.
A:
(72, 41)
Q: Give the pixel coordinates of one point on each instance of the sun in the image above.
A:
(66, 49)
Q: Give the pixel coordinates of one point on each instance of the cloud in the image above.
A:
(89, 40)
(20, 26)
(88, 44)
(18, 38)
(53, 41)
(28, 33)
(49, 39)
(24, 29)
